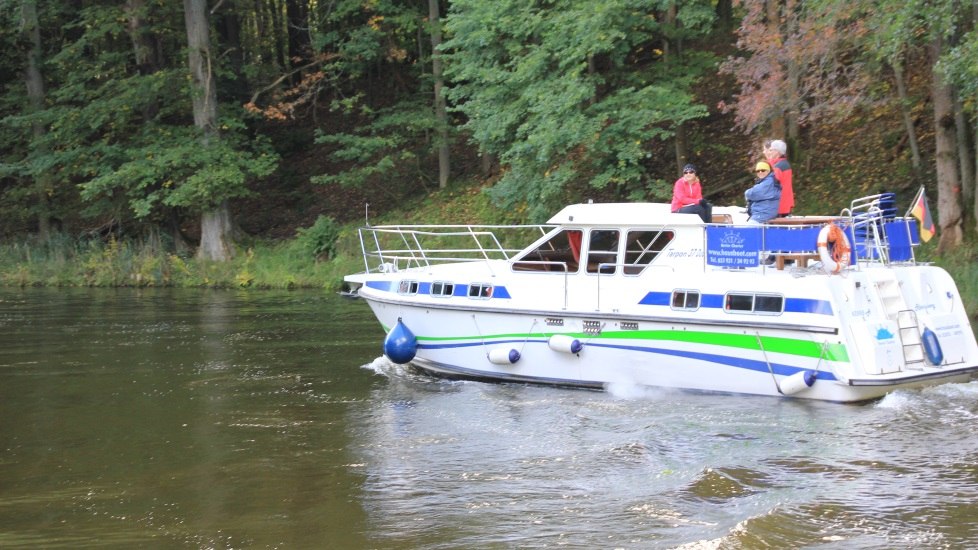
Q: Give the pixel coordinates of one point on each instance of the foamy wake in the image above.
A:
(632, 390)
(897, 400)
(384, 367)
(902, 399)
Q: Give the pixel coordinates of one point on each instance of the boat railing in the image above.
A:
(388, 248)
(877, 234)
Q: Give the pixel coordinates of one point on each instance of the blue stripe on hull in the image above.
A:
(715, 301)
(726, 360)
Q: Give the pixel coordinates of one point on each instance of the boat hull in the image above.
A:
(458, 344)
(634, 294)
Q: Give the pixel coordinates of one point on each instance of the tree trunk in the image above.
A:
(671, 51)
(275, 15)
(215, 234)
(974, 211)
(34, 81)
(966, 160)
(724, 11)
(904, 100)
(227, 23)
(144, 50)
(215, 229)
(793, 70)
(297, 21)
(172, 223)
(773, 10)
(441, 111)
(488, 164)
(948, 185)
(682, 148)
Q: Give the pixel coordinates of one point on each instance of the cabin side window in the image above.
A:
(685, 299)
(749, 302)
(441, 288)
(560, 253)
(641, 247)
(408, 287)
(480, 290)
(768, 303)
(602, 253)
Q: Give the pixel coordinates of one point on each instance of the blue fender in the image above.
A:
(932, 347)
(400, 345)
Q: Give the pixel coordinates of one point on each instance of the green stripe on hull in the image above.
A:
(772, 344)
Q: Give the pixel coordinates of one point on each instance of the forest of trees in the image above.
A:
(140, 117)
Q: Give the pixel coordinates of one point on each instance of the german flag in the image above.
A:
(922, 213)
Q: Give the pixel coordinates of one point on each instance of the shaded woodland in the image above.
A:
(194, 123)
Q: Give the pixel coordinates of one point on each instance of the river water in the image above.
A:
(217, 419)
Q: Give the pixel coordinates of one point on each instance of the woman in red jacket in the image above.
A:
(687, 195)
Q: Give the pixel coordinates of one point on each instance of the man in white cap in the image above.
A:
(775, 152)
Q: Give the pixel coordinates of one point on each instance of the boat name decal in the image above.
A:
(689, 253)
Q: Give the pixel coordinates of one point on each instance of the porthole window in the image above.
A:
(685, 299)
(768, 303)
(751, 302)
(480, 290)
(408, 287)
(443, 289)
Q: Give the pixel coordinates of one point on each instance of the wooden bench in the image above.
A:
(798, 257)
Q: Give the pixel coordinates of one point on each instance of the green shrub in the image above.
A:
(319, 240)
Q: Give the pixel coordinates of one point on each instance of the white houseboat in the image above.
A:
(632, 293)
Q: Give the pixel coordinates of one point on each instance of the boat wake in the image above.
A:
(950, 393)
(404, 373)
(385, 367)
(635, 391)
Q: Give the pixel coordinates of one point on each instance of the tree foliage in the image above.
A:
(567, 97)
(571, 91)
(121, 132)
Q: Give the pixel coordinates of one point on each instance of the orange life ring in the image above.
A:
(833, 249)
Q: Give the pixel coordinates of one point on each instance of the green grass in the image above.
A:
(65, 261)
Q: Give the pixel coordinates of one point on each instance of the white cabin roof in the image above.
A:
(622, 214)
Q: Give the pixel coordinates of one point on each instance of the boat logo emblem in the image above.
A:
(884, 334)
(732, 238)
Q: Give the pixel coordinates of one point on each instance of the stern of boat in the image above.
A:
(905, 326)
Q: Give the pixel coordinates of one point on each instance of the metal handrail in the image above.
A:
(412, 251)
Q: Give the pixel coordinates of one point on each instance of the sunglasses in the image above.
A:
(762, 171)
(689, 172)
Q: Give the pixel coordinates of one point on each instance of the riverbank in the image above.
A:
(317, 258)
(260, 265)
(79, 263)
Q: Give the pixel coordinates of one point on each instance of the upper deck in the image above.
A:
(625, 237)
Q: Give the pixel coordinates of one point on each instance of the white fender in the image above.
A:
(832, 235)
(565, 344)
(801, 380)
(503, 356)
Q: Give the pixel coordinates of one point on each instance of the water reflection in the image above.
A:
(221, 419)
(456, 464)
(205, 419)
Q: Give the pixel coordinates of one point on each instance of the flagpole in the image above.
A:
(913, 203)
